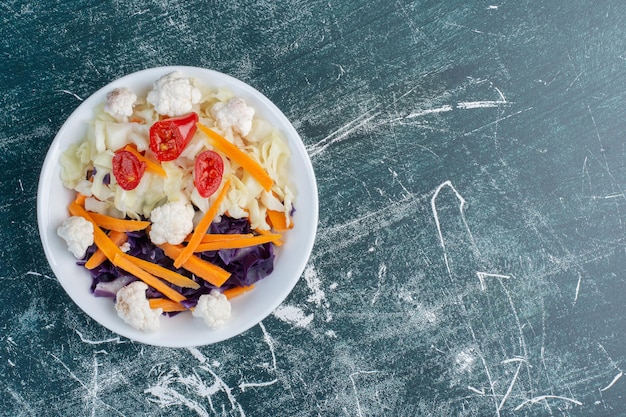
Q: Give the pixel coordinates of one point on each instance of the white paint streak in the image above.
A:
(580, 278)
(38, 274)
(340, 134)
(475, 390)
(433, 205)
(484, 104)
(71, 94)
(356, 393)
(197, 354)
(615, 379)
(495, 122)
(483, 275)
(382, 273)
(318, 296)
(293, 315)
(425, 112)
(245, 385)
(115, 340)
(546, 397)
(508, 391)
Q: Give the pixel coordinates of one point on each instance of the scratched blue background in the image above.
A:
(471, 163)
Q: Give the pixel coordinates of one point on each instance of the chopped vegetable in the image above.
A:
(102, 241)
(169, 137)
(277, 242)
(166, 304)
(151, 166)
(236, 291)
(202, 227)
(223, 237)
(239, 156)
(98, 257)
(207, 173)
(209, 272)
(127, 169)
(126, 263)
(164, 273)
(119, 225)
(237, 243)
(278, 221)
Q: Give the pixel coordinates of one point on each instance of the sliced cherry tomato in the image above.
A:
(127, 169)
(169, 137)
(208, 173)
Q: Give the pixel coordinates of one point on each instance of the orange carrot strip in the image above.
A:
(240, 157)
(166, 304)
(277, 242)
(98, 257)
(235, 291)
(119, 225)
(237, 243)
(202, 227)
(278, 220)
(80, 199)
(100, 238)
(213, 274)
(221, 237)
(164, 273)
(151, 166)
(126, 263)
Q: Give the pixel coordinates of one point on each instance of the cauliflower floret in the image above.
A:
(171, 222)
(133, 307)
(119, 103)
(173, 95)
(234, 113)
(78, 233)
(214, 308)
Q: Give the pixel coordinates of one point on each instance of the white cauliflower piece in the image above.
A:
(119, 103)
(78, 234)
(171, 222)
(214, 308)
(173, 95)
(133, 307)
(234, 113)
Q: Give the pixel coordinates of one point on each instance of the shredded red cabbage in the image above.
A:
(247, 265)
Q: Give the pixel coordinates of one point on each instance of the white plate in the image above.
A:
(182, 330)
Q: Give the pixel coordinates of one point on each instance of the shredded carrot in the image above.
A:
(237, 243)
(164, 273)
(221, 237)
(119, 225)
(151, 166)
(98, 257)
(212, 274)
(166, 304)
(80, 199)
(102, 241)
(127, 263)
(202, 227)
(235, 291)
(278, 221)
(277, 242)
(240, 157)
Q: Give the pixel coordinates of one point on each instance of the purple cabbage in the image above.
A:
(246, 265)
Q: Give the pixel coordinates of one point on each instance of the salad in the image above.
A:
(182, 196)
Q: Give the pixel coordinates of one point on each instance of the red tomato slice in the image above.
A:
(127, 169)
(169, 137)
(208, 173)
